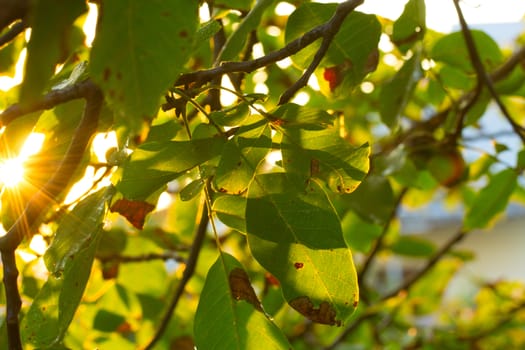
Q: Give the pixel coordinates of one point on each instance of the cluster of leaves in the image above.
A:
(270, 200)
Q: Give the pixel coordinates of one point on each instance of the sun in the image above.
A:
(12, 169)
(11, 172)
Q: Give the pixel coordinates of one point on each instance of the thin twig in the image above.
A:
(482, 73)
(141, 258)
(379, 242)
(191, 264)
(330, 29)
(429, 264)
(203, 76)
(12, 33)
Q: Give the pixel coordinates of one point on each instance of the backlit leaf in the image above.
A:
(410, 26)
(135, 73)
(297, 237)
(155, 164)
(352, 46)
(230, 210)
(230, 315)
(50, 314)
(76, 230)
(241, 155)
(323, 154)
(52, 22)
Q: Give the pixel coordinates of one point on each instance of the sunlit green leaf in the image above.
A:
(230, 210)
(229, 315)
(241, 155)
(156, 163)
(323, 154)
(296, 236)
(135, 73)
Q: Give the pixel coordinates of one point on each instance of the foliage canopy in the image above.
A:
(254, 187)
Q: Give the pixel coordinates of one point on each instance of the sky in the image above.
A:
(441, 15)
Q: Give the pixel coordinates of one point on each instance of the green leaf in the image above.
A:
(241, 156)
(206, 32)
(51, 312)
(410, 26)
(291, 115)
(396, 93)
(491, 200)
(51, 22)
(297, 237)
(230, 315)
(451, 49)
(237, 40)
(135, 73)
(413, 246)
(76, 229)
(323, 154)
(191, 190)
(364, 201)
(359, 233)
(230, 210)
(156, 163)
(354, 46)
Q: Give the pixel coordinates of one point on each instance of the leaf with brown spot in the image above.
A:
(324, 314)
(134, 211)
(229, 315)
(242, 289)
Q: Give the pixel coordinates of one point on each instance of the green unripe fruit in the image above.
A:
(447, 167)
(115, 157)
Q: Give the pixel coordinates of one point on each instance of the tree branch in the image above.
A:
(12, 10)
(26, 222)
(186, 276)
(482, 73)
(142, 258)
(379, 242)
(13, 301)
(50, 100)
(330, 29)
(430, 264)
(203, 76)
